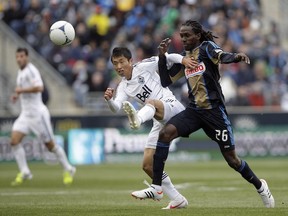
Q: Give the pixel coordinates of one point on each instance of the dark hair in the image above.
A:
(22, 49)
(197, 28)
(121, 51)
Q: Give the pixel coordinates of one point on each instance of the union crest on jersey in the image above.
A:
(141, 80)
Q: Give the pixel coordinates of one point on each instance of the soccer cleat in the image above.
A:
(132, 115)
(20, 178)
(178, 203)
(266, 196)
(149, 193)
(68, 176)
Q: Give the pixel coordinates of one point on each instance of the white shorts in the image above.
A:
(171, 107)
(38, 123)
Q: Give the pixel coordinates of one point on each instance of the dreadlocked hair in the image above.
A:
(197, 28)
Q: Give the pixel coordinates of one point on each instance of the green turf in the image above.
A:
(212, 188)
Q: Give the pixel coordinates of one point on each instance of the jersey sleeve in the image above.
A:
(168, 76)
(173, 58)
(116, 104)
(217, 55)
(34, 76)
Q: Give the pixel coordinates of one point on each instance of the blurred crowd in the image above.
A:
(140, 25)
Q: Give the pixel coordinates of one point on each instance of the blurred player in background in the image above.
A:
(206, 109)
(34, 117)
(141, 82)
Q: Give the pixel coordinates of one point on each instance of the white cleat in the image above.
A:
(132, 115)
(148, 193)
(178, 203)
(266, 196)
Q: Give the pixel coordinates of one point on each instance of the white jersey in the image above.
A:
(145, 83)
(30, 77)
(34, 116)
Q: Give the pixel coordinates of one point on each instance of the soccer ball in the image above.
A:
(62, 33)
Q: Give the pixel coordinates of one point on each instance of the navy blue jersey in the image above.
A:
(203, 81)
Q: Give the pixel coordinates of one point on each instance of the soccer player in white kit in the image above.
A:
(141, 82)
(34, 117)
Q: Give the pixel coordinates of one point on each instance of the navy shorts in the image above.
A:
(214, 122)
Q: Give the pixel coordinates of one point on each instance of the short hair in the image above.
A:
(22, 49)
(121, 51)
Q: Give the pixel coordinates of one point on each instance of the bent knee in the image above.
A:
(234, 163)
(50, 145)
(168, 133)
(150, 101)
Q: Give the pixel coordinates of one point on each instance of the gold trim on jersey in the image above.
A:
(194, 53)
(197, 85)
(177, 76)
(196, 81)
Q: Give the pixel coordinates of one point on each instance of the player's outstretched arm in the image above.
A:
(168, 76)
(227, 58)
(242, 57)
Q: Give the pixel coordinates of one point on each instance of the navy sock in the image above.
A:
(160, 156)
(249, 175)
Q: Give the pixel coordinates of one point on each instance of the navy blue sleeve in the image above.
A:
(165, 73)
(217, 55)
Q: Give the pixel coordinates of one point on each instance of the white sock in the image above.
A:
(157, 187)
(146, 113)
(62, 158)
(168, 188)
(20, 157)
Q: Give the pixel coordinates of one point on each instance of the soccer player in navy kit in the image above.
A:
(206, 109)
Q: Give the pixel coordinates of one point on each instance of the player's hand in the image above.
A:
(242, 57)
(14, 97)
(108, 94)
(163, 46)
(189, 62)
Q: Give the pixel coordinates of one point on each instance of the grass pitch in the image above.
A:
(212, 188)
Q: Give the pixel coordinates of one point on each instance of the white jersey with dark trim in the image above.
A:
(144, 84)
(30, 77)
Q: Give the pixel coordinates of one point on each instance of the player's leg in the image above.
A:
(219, 129)
(43, 129)
(176, 199)
(152, 108)
(179, 125)
(19, 130)
(155, 191)
(246, 172)
(137, 118)
(69, 170)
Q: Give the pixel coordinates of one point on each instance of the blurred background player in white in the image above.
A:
(141, 82)
(34, 117)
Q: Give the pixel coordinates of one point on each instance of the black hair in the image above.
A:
(197, 28)
(22, 49)
(121, 51)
